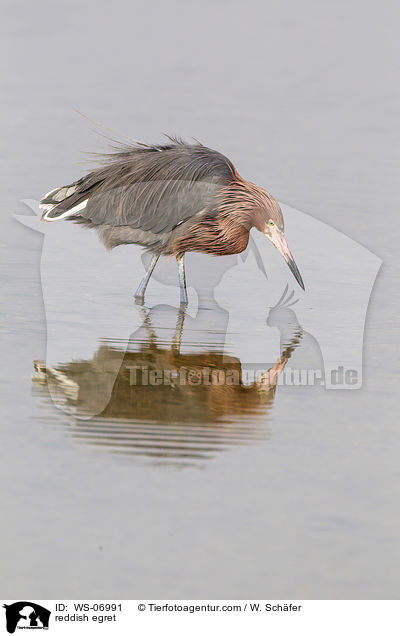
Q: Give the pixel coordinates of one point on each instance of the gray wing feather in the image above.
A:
(156, 206)
(153, 189)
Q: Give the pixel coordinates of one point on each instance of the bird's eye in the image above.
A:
(270, 222)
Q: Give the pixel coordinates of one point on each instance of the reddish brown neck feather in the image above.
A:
(240, 206)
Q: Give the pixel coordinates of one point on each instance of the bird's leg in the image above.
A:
(182, 280)
(151, 334)
(176, 340)
(139, 293)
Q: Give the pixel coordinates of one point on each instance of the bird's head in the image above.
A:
(252, 206)
(271, 224)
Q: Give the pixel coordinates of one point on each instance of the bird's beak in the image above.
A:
(278, 239)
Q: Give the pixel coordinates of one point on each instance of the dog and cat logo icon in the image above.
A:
(26, 615)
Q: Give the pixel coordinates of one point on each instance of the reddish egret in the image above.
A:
(170, 199)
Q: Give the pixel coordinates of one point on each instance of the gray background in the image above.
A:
(304, 98)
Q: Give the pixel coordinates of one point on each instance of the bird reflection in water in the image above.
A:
(146, 397)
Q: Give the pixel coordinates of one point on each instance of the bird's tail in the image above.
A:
(62, 202)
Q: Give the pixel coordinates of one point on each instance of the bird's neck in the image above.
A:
(244, 203)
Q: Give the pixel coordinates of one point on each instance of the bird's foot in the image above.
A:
(139, 299)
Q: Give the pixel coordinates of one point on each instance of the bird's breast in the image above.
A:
(212, 234)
